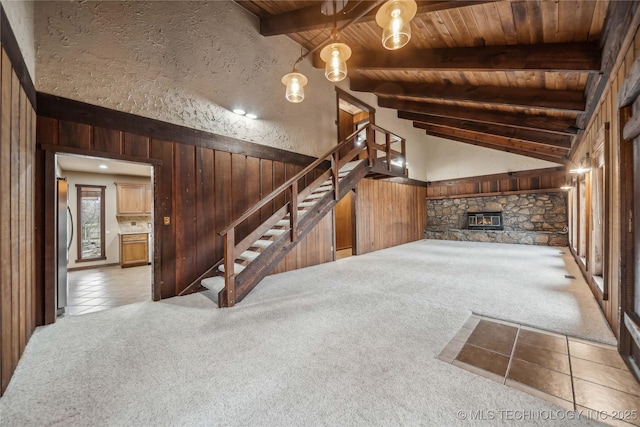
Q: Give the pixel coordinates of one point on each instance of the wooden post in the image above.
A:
(293, 211)
(388, 147)
(404, 157)
(229, 261)
(371, 139)
(335, 174)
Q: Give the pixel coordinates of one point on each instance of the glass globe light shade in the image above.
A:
(295, 83)
(335, 56)
(394, 18)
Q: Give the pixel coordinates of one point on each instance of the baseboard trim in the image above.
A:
(91, 267)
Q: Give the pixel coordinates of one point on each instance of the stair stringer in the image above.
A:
(251, 276)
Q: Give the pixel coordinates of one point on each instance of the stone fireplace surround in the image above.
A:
(538, 218)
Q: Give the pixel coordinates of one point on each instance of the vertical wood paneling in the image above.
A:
(106, 140)
(382, 206)
(222, 180)
(135, 145)
(17, 144)
(607, 112)
(164, 151)
(5, 227)
(205, 206)
(253, 186)
(74, 135)
(266, 187)
(184, 199)
(15, 220)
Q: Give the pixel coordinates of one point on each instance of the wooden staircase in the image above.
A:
(247, 262)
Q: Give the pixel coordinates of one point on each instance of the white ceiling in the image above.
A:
(92, 165)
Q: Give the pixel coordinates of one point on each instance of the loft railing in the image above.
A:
(293, 193)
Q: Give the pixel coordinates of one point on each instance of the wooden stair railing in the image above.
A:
(341, 175)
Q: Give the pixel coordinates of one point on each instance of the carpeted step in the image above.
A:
(350, 166)
(249, 255)
(283, 223)
(237, 268)
(215, 283)
(263, 244)
(323, 188)
(303, 205)
(274, 232)
(315, 196)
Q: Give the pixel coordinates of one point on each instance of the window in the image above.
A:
(90, 222)
(599, 211)
(583, 219)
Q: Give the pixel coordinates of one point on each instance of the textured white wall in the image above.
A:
(188, 63)
(21, 16)
(451, 159)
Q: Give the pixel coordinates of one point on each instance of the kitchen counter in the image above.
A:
(124, 233)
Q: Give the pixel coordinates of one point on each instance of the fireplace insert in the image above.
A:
(484, 221)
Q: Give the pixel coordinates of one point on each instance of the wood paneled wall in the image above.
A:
(388, 214)
(607, 112)
(199, 189)
(17, 285)
(539, 179)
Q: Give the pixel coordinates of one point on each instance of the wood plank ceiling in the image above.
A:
(512, 75)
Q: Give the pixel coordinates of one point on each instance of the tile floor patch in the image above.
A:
(587, 377)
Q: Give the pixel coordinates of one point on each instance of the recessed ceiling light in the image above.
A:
(251, 116)
(103, 167)
(239, 111)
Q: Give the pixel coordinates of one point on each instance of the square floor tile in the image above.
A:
(497, 329)
(542, 357)
(484, 359)
(543, 379)
(601, 398)
(617, 379)
(501, 343)
(542, 340)
(596, 354)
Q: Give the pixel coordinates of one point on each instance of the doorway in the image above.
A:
(104, 233)
(353, 114)
(629, 301)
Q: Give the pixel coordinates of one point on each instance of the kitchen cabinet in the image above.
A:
(133, 199)
(134, 250)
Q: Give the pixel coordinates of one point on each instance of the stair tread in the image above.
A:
(306, 204)
(324, 188)
(249, 255)
(215, 283)
(262, 243)
(283, 223)
(274, 232)
(316, 195)
(348, 167)
(237, 268)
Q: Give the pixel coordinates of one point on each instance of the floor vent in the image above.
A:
(569, 276)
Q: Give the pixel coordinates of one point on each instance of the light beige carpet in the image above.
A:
(354, 342)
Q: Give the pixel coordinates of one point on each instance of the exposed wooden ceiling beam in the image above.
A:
(519, 120)
(532, 154)
(539, 137)
(559, 100)
(498, 141)
(579, 57)
(310, 18)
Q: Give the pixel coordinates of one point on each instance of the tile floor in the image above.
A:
(106, 287)
(582, 376)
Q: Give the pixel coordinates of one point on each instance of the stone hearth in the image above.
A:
(530, 219)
